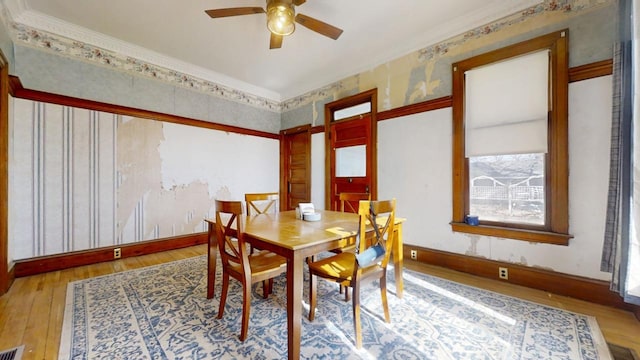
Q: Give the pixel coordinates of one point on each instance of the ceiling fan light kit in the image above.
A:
(281, 19)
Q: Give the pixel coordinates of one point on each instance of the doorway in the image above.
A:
(295, 157)
(350, 147)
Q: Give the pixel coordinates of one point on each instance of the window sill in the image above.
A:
(511, 233)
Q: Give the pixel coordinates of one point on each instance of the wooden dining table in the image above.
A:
(296, 239)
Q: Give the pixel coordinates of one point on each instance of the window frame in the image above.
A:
(556, 227)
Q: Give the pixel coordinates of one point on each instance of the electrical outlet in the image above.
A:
(503, 273)
(414, 254)
(117, 253)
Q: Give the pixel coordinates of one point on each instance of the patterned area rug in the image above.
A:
(161, 312)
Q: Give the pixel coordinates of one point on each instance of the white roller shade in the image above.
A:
(506, 106)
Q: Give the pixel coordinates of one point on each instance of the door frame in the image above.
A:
(329, 110)
(6, 273)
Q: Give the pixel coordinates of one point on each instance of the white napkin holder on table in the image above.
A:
(306, 211)
(311, 216)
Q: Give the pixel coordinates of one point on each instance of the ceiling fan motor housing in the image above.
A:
(280, 17)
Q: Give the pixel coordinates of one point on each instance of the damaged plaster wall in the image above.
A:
(83, 179)
(146, 209)
(425, 74)
(169, 175)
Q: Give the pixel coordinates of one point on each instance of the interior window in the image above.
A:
(510, 143)
(348, 112)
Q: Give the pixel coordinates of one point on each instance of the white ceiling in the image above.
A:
(235, 51)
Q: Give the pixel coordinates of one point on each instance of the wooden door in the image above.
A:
(350, 147)
(351, 139)
(295, 157)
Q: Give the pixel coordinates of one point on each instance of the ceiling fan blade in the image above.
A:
(299, 2)
(275, 42)
(319, 26)
(218, 13)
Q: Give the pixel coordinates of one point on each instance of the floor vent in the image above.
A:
(622, 353)
(12, 354)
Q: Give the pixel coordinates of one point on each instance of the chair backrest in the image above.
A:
(349, 201)
(261, 203)
(381, 216)
(230, 234)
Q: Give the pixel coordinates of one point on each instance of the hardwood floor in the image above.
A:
(31, 313)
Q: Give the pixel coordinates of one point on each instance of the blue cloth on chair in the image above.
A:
(371, 255)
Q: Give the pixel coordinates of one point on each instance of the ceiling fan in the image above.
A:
(281, 16)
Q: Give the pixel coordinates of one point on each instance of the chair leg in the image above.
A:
(266, 288)
(223, 295)
(246, 307)
(313, 289)
(356, 314)
(346, 291)
(383, 291)
(310, 259)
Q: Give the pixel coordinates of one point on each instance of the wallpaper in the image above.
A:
(62, 187)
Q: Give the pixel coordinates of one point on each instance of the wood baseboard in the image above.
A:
(582, 288)
(44, 264)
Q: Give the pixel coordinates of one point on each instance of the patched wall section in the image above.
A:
(426, 73)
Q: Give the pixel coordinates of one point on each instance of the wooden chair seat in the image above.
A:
(262, 263)
(339, 268)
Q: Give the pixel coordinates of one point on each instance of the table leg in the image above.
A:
(294, 303)
(212, 255)
(398, 260)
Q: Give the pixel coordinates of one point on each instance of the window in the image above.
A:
(508, 188)
(510, 146)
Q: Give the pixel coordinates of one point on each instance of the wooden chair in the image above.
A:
(344, 268)
(349, 203)
(238, 263)
(261, 203)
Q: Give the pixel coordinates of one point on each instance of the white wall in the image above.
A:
(414, 166)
